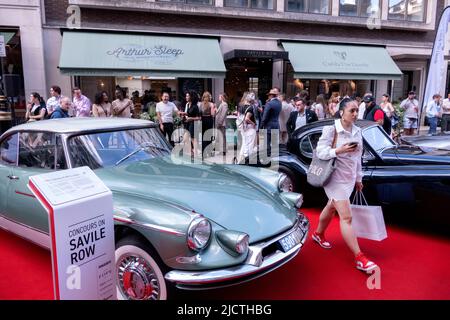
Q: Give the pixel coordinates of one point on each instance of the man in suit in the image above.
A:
(300, 117)
(270, 116)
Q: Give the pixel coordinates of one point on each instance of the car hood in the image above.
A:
(418, 155)
(441, 141)
(225, 196)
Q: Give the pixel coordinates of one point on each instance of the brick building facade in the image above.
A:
(409, 43)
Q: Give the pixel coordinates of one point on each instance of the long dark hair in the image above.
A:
(99, 97)
(38, 97)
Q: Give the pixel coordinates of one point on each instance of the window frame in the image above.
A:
(424, 13)
(359, 10)
(186, 2)
(307, 8)
(249, 6)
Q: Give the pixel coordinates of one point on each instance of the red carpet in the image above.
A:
(413, 266)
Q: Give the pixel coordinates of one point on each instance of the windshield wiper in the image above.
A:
(141, 147)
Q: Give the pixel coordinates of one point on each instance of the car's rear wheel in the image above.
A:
(290, 183)
(139, 275)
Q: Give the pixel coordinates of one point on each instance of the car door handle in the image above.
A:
(11, 177)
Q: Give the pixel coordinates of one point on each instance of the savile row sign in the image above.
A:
(81, 226)
(137, 52)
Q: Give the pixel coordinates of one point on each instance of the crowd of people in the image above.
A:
(200, 112)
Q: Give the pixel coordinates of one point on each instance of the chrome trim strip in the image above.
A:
(150, 226)
(28, 233)
(198, 278)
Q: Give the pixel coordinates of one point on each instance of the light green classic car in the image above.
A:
(177, 224)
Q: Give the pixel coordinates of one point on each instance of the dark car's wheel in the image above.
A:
(290, 184)
(138, 271)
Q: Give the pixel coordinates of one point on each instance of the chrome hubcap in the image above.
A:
(137, 279)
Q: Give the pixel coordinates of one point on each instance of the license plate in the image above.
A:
(291, 240)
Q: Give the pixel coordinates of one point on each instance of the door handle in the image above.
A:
(11, 177)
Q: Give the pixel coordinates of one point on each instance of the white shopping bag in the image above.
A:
(367, 221)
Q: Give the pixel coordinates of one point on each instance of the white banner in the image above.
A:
(437, 73)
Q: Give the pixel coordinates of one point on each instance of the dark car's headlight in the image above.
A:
(199, 233)
(234, 242)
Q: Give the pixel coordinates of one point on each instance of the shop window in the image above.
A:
(359, 8)
(309, 6)
(410, 10)
(253, 4)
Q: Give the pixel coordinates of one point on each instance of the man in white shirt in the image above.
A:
(300, 117)
(411, 115)
(433, 112)
(164, 111)
(445, 124)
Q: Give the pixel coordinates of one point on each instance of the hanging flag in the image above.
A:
(437, 72)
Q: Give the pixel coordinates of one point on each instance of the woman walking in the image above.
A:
(248, 131)
(342, 141)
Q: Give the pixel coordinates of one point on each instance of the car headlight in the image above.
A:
(283, 183)
(296, 199)
(199, 233)
(233, 242)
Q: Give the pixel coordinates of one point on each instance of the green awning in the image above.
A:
(7, 35)
(105, 54)
(336, 61)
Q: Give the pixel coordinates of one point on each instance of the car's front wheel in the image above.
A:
(139, 276)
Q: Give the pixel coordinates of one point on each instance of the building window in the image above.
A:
(410, 10)
(359, 8)
(253, 4)
(310, 6)
(201, 2)
(253, 84)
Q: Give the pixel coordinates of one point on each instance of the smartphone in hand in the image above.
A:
(353, 144)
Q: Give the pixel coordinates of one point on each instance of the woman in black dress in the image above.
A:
(208, 112)
(191, 116)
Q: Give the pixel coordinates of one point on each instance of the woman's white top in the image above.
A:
(348, 165)
(318, 109)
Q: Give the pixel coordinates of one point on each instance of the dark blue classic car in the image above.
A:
(405, 179)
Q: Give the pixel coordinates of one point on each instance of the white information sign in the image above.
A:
(81, 227)
(2, 46)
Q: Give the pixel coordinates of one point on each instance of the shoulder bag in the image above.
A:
(319, 171)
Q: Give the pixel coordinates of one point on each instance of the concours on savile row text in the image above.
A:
(224, 150)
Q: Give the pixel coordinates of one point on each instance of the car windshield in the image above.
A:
(108, 149)
(378, 139)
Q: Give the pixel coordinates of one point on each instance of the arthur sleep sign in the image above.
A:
(81, 226)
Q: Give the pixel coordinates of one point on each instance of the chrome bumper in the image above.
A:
(255, 265)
